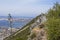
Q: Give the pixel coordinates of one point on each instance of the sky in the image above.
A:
(28, 8)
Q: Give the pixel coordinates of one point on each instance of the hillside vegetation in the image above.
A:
(53, 23)
(23, 33)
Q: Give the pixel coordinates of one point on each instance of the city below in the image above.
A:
(5, 30)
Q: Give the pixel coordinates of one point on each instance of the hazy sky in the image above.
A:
(25, 7)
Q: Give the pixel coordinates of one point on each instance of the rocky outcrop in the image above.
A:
(38, 30)
(37, 33)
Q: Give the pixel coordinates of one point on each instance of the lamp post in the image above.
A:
(10, 22)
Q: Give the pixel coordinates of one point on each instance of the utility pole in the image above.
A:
(10, 22)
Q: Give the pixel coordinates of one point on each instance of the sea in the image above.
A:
(15, 24)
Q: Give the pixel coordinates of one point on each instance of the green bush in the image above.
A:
(53, 23)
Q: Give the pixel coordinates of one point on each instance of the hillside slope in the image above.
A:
(23, 34)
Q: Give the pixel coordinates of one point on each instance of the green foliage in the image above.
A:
(53, 23)
(54, 12)
(53, 29)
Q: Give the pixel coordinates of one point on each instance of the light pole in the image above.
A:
(10, 22)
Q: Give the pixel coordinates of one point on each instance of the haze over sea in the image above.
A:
(17, 23)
